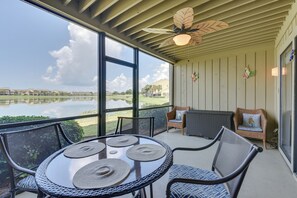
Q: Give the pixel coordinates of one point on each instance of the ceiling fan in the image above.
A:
(184, 32)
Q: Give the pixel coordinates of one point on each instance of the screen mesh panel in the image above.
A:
(142, 126)
(232, 151)
(159, 115)
(30, 147)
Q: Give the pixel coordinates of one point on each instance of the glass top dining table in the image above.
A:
(55, 175)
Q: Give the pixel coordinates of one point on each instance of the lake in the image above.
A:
(55, 107)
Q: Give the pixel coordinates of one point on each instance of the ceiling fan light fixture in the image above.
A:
(182, 39)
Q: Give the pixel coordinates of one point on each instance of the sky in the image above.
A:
(42, 51)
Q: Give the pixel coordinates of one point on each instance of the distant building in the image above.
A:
(43, 92)
(4, 91)
(162, 88)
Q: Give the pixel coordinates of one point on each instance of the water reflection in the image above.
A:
(55, 107)
(47, 100)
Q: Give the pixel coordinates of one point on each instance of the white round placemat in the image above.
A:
(84, 149)
(121, 141)
(101, 173)
(146, 152)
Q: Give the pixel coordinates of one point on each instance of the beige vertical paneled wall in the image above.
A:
(221, 85)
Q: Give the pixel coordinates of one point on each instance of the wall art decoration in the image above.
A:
(248, 73)
(195, 76)
(292, 54)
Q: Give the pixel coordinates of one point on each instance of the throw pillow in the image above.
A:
(179, 114)
(251, 120)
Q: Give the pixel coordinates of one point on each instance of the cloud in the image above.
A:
(161, 72)
(49, 70)
(120, 83)
(144, 81)
(76, 62)
(113, 48)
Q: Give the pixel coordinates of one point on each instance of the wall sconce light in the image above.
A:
(274, 71)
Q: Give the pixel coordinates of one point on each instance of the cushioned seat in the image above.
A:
(28, 184)
(251, 123)
(252, 129)
(175, 121)
(193, 190)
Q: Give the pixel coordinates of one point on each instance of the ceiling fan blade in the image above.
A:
(193, 42)
(209, 26)
(196, 39)
(184, 17)
(168, 41)
(158, 30)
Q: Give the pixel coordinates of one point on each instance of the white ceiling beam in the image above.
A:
(100, 6)
(117, 9)
(66, 2)
(133, 12)
(150, 13)
(85, 4)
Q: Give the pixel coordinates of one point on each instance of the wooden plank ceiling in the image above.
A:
(251, 21)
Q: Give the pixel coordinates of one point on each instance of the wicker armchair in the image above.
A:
(171, 118)
(238, 121)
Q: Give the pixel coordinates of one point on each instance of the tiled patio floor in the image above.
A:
(268, 175)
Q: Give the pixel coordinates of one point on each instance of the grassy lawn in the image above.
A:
(147, 101)
(90, 130)
(89, 125)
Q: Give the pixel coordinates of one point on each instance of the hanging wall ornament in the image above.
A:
(292, 54)
(248, 73)
(195, 76)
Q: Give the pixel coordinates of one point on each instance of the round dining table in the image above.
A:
(54, 176)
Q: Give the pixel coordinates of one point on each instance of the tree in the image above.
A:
(129, 92)
(145, 90)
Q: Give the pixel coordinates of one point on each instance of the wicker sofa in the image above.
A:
(206, 123)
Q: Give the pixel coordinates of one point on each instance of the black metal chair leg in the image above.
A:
(151, 190)
(12, 194)
(40, 194)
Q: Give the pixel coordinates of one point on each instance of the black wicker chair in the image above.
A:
(229, 167)
(136, 125)
(25, 149)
